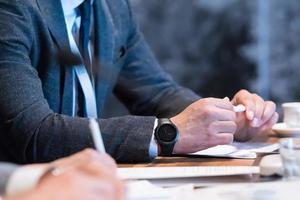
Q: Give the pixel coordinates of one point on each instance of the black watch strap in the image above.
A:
(166, 149)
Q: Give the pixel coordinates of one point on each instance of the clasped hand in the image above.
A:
(211, 121)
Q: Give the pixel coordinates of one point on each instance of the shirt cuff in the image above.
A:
(25, 179)
(153, 149)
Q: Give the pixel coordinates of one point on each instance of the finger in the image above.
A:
(217, 114)
(269, 111)
(220, 103)
(121, 188)
(87, 155)
(245, 98)
(224, 138)
(259, 109)
(77, 158)
(104, 188)
(269, 124)
(92, 155)
(108, 161)
(223, 127)
(223, 104)
(96, 169)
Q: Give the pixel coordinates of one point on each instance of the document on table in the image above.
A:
(147, 173)
(144, 190)
(280, 190)
(246, 150)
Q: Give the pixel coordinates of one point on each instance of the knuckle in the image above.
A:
(243, 91)
(207, 101)
(194, 108)
(206, 112)
(272, 104)
(257, 97)
(90, 154)
(111, 162)
(204, 101)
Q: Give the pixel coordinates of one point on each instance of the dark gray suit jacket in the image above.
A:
(35, 122)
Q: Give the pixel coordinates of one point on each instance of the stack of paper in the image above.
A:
(245, 150)
(184, 172)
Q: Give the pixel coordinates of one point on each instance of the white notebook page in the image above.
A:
(184, 172)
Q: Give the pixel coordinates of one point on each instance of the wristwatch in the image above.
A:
(166, 135)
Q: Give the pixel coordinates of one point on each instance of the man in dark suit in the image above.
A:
(45, 105)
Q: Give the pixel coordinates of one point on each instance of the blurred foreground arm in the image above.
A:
(86, 175)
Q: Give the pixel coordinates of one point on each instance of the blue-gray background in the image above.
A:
(217, 47)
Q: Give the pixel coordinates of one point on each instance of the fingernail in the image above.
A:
(227, 99)
(250, 115)
(255, 122)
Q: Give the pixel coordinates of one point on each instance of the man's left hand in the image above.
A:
(258, 118)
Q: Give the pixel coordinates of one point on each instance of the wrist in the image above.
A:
(166, 135)
(177, 148)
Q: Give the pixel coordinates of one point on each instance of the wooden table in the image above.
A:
(202, 161)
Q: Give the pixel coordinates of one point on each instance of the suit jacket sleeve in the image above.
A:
(6, 170)
(30, 131)
(143, 85)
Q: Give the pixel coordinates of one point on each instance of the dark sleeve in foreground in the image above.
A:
(30, 131)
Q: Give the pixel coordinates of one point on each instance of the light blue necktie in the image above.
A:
(84, 80)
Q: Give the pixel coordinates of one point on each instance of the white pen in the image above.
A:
(239, 108)
(96, 135)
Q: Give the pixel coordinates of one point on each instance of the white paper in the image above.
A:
(246, 150)
(142, 173)
(144, 190)
(281, 190)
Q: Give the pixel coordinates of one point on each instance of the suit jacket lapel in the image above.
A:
(52, 12)
(105, 36)
(104, 32)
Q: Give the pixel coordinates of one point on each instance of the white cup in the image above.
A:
(291, 112)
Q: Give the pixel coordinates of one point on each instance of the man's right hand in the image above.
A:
(85, 175)
(205, 123)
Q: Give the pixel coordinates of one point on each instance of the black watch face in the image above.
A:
(167, 133)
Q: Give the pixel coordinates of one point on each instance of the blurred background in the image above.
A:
(217, 47)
